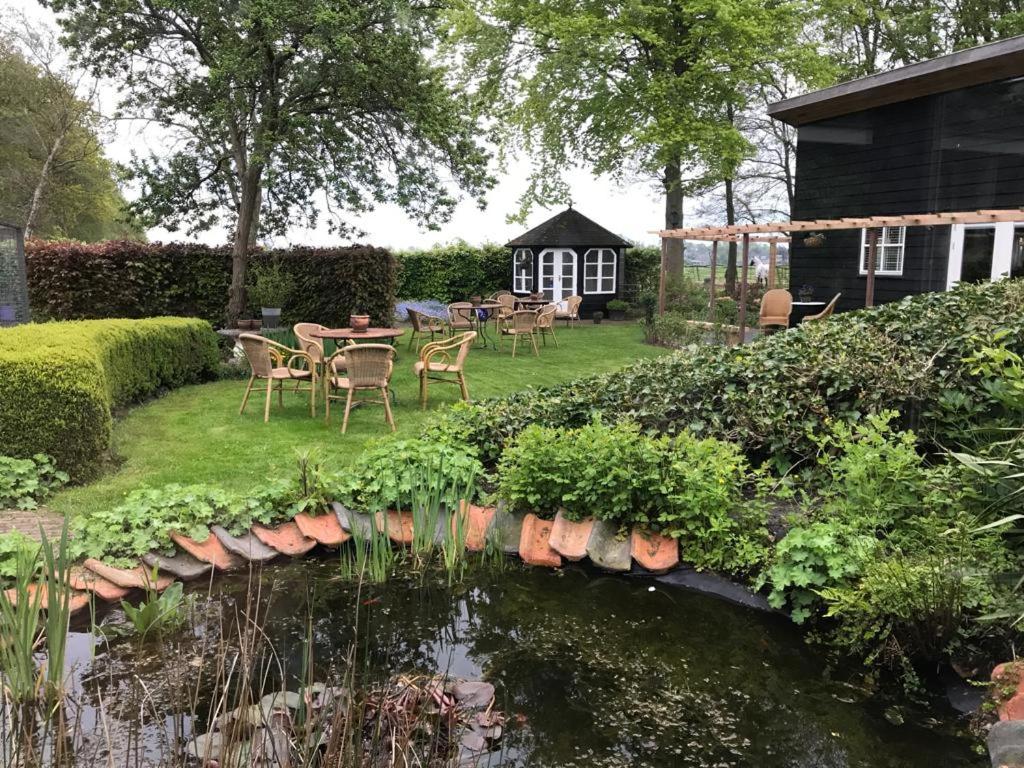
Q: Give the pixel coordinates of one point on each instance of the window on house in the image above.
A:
(889, 255)
(522, 270)
(599, 270)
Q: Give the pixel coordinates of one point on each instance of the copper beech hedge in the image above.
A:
(127, 279)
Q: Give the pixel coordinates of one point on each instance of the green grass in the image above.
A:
(195, 435)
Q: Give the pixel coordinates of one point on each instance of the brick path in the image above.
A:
(28, 522)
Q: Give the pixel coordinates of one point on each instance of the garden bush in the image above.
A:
(60, 381)
(71, 281)
(454, 272)
(26, 482)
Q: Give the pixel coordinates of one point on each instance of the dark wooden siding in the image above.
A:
(962, 150)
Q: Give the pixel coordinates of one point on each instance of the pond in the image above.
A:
(592, 669)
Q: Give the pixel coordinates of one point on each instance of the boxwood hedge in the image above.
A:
(769, 395)
(60, 381)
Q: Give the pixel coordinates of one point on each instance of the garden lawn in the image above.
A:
(195, 435)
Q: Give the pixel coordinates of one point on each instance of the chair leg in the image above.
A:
(515, 341)
(463, 387)
(544, 336)
(348, 408)
(245, 397)
(553, 337)
(280, 394)
(270, 395)
(533, 339)
(412, 338)
(423, 390)
(387, 408)
(312, 395)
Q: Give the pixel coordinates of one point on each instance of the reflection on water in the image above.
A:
(597, 670)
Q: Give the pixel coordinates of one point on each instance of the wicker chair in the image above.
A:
(498, 294)
(546, 323)
(422, 325)
(826, 313)
(776, 306)
(314, 347)
(461, 316)
(436, 364)
(571, 313)
(368, 368)
(274, 362)
(508, 306)
(522, 322)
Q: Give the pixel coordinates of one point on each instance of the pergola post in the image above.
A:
(661, 277)
(869, 288)
(773, 253)
(744, 274)
(714, 279)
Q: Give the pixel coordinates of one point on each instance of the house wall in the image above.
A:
(962, 150)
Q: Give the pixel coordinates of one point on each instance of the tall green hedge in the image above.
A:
(73, 281)
(60, 381)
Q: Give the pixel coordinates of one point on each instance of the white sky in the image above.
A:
(629, 210)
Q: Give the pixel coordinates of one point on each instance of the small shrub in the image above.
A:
(270, 286)
(14, 548)
(26, 482)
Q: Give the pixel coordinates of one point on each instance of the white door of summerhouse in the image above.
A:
(558, 273)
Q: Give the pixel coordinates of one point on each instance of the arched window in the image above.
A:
(599, 266)
(522, 270)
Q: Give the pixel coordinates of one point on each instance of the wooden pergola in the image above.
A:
(779, 232)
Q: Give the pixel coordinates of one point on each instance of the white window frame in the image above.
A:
(601, 259)
(522, 282)
(566, 284)
(884, 243)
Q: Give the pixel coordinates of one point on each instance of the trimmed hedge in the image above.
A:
(60, 381)
(127, 279)
(769, 395)
(448, 273)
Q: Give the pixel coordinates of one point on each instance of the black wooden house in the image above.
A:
(938, 136)
(567, 255)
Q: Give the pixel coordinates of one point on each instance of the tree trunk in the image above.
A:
(673, 217)
(730, 219)
(37, 194)
(246, 223)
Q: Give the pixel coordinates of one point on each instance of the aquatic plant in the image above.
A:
(158, 611)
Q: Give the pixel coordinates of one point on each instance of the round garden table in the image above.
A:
(370, 334)
(485, 310)
(533, 303)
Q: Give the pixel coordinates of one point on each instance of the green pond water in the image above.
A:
(597, 670)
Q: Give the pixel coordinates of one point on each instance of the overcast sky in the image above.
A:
(629, 210)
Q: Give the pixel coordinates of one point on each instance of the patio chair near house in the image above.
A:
(436, 364)
(276, 364)
(776, 307)
(314, 347)
(508, 306)
(826, 313)
(522, 322)
(546, 323)
(498, 294)
(424, 325)
(368, 368)
(461, 316)
(571, 312)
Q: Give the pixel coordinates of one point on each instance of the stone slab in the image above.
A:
(80, 578)
(78, 601)
(397, 525)
(358, 524)
(606, 550)
(326, 529)
(286, 538)
(129, 578)
(653, 551)
(508, 529)
(476, 523)
(245, 546)
(180, 565)
(534, 546)
(1006, 744)
(569, 538)
(209, 551)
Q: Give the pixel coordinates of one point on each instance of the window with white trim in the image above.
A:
(889, 254)
(522, 270)
(599, 266)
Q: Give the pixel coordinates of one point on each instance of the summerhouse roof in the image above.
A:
(568, 228)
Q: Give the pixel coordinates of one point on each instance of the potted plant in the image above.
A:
(598, 317)
(617, 309)
(270, 288)
(359, 323)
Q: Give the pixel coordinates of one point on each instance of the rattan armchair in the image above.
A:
(546, 323)
(275, 363)
(314, 347)
(826, 313)
(571, 313)
(461, 316)
(422, 325)
(776, 307)
(368, 369)
(436, 364)
(522, 322)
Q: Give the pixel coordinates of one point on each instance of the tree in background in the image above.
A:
(271, 102)
(629, 88)
(54, 179)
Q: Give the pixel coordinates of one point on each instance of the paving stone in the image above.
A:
(80, 578)
(286, 538)
(245, 546)
(508, 529)
(181, 565)
(476, 523)
(607, 551)
(397, 525)
(570, 538)
(534, 547)
(129, 578)
(77, 602)
(209, 551)
(356, 523)
(326, 529)
(1006, 744)
(653, 551)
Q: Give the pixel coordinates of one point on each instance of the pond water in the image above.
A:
(596, 670)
